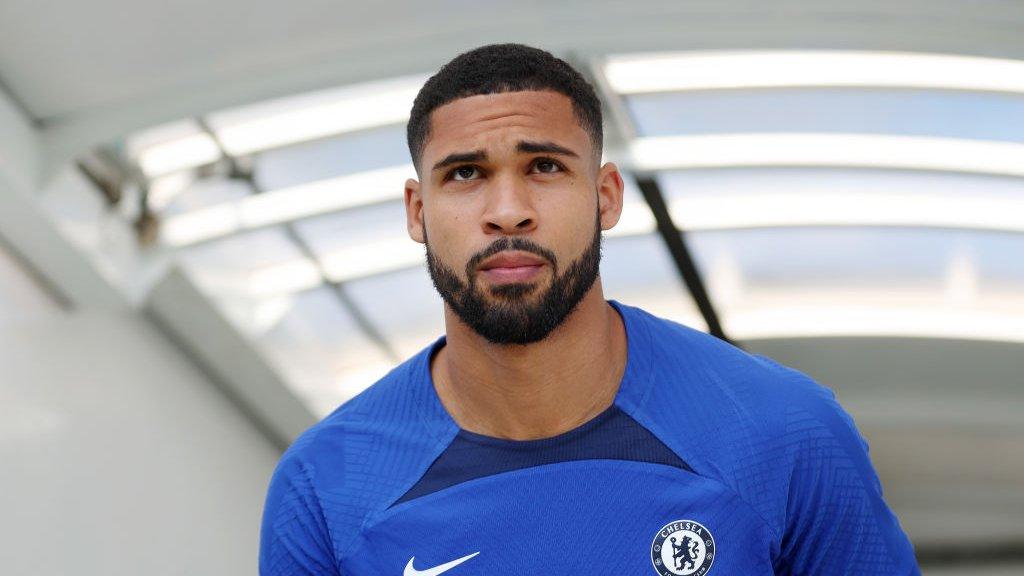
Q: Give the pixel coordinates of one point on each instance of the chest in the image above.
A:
(582, 517)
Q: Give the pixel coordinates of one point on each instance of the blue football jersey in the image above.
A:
(711, 460)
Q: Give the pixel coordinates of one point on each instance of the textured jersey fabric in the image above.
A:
(711, 460)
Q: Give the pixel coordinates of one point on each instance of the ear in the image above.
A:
(609, 195)
(414, 210)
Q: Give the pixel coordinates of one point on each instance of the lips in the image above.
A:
(511, 267)
(511, 260)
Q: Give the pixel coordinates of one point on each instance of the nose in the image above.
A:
(509, 208)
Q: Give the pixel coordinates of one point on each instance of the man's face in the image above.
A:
(511, 205)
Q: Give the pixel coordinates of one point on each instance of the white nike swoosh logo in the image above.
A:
(410, 571)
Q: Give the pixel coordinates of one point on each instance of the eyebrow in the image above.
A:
(548, 147)
(457, 157)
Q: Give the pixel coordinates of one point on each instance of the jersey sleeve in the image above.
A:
(294, 539)
(836, 521)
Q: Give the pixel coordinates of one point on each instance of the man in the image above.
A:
(551, 431)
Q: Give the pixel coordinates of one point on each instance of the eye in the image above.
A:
(545, 166)
(464, 173)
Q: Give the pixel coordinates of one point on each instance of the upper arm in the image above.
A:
(836, 520)
(294, 538)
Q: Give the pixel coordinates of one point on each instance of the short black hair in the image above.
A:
(498, 68)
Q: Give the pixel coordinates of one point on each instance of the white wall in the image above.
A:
(20, 147)
(119, 457)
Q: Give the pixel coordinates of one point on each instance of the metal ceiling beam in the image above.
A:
(337, 288)
(181, 311)
(675, 241)
(619, 131)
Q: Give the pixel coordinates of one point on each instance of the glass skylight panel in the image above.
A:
(256, 265)
(856, 281)
(996, 259)
(712, 199)
(203, 193)
(970, 115)
(251, 211)
(163, 190)
(206, 208)
(294, 119)
(296, 182)
(171, 147)
(326, 159)
(821, 149)
(321, 351)
(362, 241)
(403, 306)
(638, 270)
(836, 258)
(854, 109)
(716, 70)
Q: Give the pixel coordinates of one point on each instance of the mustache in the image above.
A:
(506, 243)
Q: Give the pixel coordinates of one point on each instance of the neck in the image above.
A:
(537, 390)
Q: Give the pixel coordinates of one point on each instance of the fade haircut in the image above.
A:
(498, 68)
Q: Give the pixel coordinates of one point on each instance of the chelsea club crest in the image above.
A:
(682, 548)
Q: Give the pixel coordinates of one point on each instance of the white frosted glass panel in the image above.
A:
(206, 192)
(864, 281)
(770, 181)
(171, 147)
(257, 264)
(708, 199)
(362, 241)
(999, 260)
(690, 70)
(850, 257)
(908, 112)
(253, 211)
(329, 158)
(355, 226)
(314, 115)
(319, 348)
(403, 305)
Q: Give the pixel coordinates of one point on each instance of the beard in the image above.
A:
(515, 314)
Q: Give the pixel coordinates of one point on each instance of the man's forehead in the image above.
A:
(538, 101)
(544, 113)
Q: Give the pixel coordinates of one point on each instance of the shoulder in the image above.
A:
(731, 383)
(737, 417)
(366, 453)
